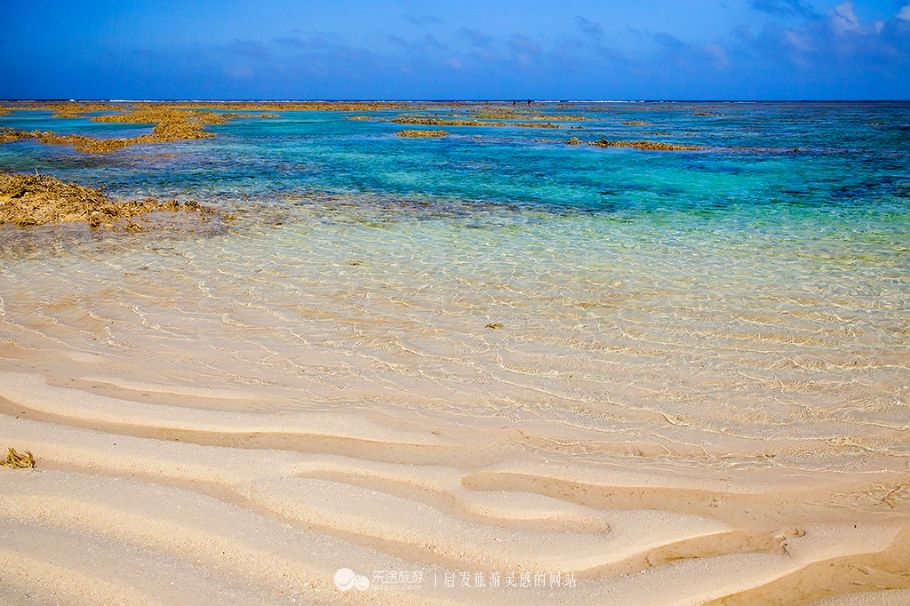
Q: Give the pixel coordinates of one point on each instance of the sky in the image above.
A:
(455, 49)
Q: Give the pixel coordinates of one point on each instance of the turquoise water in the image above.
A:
(853, 157)
(751, 291)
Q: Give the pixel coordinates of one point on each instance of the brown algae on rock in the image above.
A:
(79, 142)
(74, 109)
(169, 124)
(421, 134)
(173, 122)
(462, 122)
(646, 145)
(27, 200)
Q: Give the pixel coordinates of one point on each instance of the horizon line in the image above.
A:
(439, 100)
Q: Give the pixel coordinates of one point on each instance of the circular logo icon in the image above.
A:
(346, 579)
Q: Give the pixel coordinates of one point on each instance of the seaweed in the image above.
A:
(14, 460)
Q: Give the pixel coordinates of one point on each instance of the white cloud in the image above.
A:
(718, 56)
(904, 13)
(843, 19)
(799, 42)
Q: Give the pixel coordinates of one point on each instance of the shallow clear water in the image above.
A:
(745, 301)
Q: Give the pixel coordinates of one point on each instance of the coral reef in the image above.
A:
(421, 134)
(40, 199)
(646, 145)
(74, 109)
(463, 122)
(8, 134)
(522, 114)
(303, 106)
(169, 124)
(79, 142)
(186, 121)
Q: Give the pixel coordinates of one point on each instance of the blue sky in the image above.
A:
(407, 49)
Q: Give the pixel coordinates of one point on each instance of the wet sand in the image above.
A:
(190, 449)
(264, 508)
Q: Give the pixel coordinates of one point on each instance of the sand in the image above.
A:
(137, 499)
